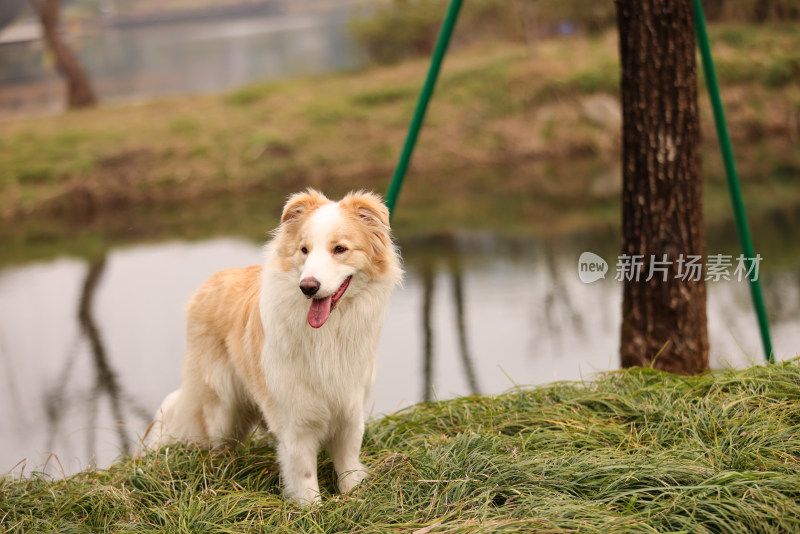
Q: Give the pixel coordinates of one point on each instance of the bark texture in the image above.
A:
(662, 190)
(79, 89)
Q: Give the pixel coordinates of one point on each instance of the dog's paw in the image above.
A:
(351, 479)
(308, 498)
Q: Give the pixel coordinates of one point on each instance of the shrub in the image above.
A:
(407, 28)
(399, 29)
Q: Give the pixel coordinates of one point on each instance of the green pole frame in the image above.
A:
(735, 190)
(422, 104)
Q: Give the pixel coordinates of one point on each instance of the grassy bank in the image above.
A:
(505, 118)
(633, 451)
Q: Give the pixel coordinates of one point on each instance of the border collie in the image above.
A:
(291, 342)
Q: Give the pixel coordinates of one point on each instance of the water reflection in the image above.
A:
(106, 382)
(427, 272)
(477, 314)
(458, 299)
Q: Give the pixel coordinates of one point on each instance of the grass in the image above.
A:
(631, 451)
(498, 103)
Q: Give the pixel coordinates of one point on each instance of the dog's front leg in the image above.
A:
(297, 454)
(345, 448)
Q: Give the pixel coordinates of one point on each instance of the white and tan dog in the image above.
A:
(292, 342)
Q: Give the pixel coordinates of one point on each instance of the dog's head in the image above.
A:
(333, 246)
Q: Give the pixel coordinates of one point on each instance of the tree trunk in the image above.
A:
(663, 319)
(79, 89)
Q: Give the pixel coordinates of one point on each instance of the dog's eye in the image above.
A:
(339, 249)
(304, 250)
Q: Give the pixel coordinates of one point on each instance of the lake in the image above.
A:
(129, 64)
(89, 348)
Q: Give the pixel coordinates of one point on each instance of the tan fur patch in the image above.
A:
(369, 219)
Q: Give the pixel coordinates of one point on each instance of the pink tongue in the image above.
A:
(319, 311)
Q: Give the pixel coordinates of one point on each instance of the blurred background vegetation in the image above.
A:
(398, 29)
(528, 94)
(530, 86)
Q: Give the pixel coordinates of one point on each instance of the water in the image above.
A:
(144, 62)
(89, 349)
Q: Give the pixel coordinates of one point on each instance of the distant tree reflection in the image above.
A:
(457, 279)
(106, 382)
(557, 299)
(427, 275)
(427, 268)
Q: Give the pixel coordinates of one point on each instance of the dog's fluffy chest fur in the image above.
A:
(322, 371)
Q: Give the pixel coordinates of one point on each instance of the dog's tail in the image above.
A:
(157, 434)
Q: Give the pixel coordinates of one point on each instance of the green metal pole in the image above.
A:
(733, 178)
(422, 104)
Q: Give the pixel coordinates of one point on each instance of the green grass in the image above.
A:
(632, 451)
(250, 94)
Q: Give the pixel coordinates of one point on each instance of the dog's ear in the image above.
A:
(301, 203)
(369, 207)
(373, 213)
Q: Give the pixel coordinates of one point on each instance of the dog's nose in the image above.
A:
(309, 286)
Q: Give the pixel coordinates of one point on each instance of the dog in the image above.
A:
(291, 342)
